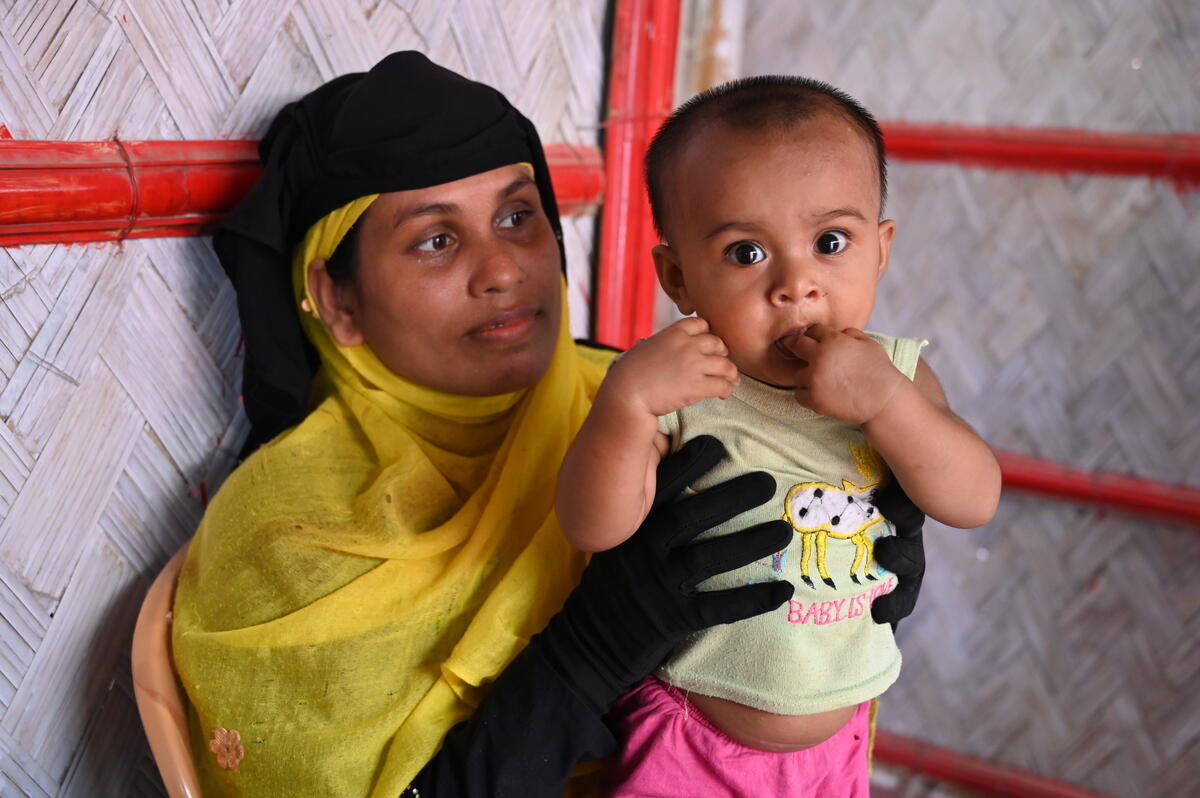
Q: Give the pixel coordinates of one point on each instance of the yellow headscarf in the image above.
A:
(358, 582)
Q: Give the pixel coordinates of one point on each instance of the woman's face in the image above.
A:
(458, 286)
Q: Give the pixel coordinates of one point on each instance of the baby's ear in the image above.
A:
(670, 277)
(887, 229)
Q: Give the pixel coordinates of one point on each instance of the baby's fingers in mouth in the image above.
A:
(783, 342)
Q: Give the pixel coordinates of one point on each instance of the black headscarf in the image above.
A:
(406, 124)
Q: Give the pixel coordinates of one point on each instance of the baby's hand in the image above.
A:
(678, 366)
(846, 375)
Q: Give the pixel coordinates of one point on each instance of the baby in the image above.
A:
(768, 194)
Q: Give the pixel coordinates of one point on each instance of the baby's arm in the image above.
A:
(939, 461)
(606, 483)
(944, 467)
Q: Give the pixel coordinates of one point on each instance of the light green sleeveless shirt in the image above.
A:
(821, 650)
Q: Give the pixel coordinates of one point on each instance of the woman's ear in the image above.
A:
(887, 229)
(337, 305)
(670, 277)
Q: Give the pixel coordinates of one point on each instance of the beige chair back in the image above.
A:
(160, 699)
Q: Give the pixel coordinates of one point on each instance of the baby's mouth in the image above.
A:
(781, 345)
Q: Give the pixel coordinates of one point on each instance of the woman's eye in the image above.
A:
(515, 219)
(435, 243)
(831, 242)
(746, 253)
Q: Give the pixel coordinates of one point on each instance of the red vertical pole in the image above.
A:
(641, 95)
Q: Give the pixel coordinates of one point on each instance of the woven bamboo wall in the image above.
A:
(1065, 319)
(119, 368)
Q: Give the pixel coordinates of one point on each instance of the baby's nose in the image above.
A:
(795, 284)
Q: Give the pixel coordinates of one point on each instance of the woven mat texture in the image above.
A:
(1064, 313)
(119, 369)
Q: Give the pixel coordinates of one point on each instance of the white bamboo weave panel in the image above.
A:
(1064, 313)
(120, 366)
(1098, 65)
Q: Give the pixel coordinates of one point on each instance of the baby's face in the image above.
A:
(768, 233)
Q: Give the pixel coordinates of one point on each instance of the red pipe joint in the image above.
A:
(111, 190)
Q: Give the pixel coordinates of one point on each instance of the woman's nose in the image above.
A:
(496, 272)
(795, 282)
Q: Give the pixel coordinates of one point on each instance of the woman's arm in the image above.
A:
(523, 741)
(633, 604)
(606, 483)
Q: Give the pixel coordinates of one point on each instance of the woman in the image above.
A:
(356, 612)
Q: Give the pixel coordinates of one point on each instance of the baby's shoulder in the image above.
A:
(905, 353)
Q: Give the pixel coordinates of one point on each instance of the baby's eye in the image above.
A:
(515, 219)
(831, 242)
(746, 253)
(434, 243)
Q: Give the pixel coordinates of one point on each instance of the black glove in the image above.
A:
(902, 554)
(637, 600)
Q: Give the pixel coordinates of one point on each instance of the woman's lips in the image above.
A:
(506, 327)
(781, 345)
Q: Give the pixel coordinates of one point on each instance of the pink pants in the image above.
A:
(670, 749)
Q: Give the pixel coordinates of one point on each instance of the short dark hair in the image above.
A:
(764, 102)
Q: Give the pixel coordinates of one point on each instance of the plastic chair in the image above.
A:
(160, 699)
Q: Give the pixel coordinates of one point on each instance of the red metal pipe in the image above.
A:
(641, 95)
(1174, 157)
(969, 771)
(104, 190)
(59, 192)
(64, 192)
(1172, 502)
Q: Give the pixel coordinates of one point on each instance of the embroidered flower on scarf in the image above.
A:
(227, 745)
